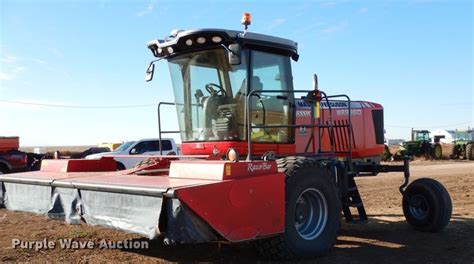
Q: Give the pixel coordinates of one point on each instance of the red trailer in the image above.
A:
(11, 159)
(9, 143)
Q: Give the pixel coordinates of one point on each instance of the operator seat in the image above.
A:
(255, 84)
(240, 97)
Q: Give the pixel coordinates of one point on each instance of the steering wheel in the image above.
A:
(213, 92)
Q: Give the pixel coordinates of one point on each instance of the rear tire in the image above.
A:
(3, 169)
(427, 205)
(120, 166)
(437, 152)
(312, 212)
(386, 156)
(469, 152)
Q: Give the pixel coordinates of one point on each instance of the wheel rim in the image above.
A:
(419, 207)
(311, 213)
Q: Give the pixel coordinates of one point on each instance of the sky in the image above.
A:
(89, 58)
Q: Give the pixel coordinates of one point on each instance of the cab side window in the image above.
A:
(272, 72)
(165, 143)
(151, 146)
(140, 148)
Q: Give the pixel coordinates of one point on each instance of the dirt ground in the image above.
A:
(386, 238)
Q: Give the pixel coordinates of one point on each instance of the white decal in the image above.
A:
(303, 113)
(256, 167)
(344, 112)
(334, 104)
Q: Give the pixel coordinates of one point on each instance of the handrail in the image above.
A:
(330, 126)
(320, 126)
(159, 125)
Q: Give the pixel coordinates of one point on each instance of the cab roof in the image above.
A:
(181, 42)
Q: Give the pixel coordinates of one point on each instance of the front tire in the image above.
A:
(454, 153)
(312, 212)
(427, 205)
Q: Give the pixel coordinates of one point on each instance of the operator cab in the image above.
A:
(420, 135)
(213, 71)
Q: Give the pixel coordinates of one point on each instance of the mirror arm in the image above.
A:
(153, 61)
(228, 50)
(150, 72)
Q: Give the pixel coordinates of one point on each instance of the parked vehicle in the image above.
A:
(462, 145)
(131, 153)
(11, 159)
(90, 151)
(420, 146)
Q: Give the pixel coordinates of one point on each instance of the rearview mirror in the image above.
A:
(233, 54)
(149, 72)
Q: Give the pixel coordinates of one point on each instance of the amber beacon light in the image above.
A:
(246, 19)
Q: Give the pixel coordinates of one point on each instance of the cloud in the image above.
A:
(8, 59)
(5, 76)
(421, 1)
(13, 60)
(275, 23)
(10, 72)
(328, 4)
(56, 52)
(39, 61)
(302, 9)
(147, 10)
(309, 27)
(363, 10)
(335, 28)
(12, 66)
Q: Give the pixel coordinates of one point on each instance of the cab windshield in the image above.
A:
(421, 136)
(210, 95)
(462, 136)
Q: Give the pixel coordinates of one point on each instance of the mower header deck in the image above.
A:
(208, 198)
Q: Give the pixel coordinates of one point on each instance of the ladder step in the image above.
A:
(353, 200)
(353, 204)
(358, 221)
(352, 189)
(352, 174)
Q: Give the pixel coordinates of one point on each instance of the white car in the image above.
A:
(142, 147)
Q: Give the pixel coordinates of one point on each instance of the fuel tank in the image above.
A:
(364, 136)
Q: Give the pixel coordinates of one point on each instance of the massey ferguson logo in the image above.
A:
(334, 104)
(258, 167)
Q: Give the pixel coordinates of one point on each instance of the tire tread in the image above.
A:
(276, 247)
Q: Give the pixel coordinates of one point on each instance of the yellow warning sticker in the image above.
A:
(228, 170)
(318, 110)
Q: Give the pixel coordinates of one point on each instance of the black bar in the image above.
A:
(170, 132)
(159, 125)
(295, 126)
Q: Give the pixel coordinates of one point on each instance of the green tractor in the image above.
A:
(420, 146)
(462, 145)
